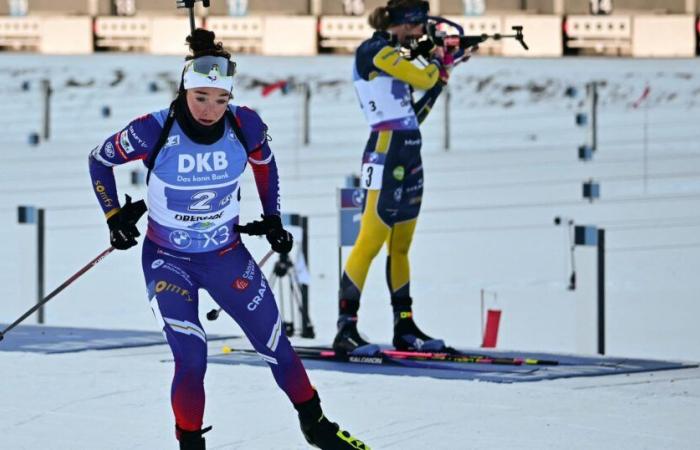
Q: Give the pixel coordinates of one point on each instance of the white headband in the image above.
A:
(214, 78)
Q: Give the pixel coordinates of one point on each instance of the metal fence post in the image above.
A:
(446, 131)
(47, 91)
(40, 239)
(306, 113)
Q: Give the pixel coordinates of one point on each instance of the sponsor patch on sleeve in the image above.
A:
(125, 143)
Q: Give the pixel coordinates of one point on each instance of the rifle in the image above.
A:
(457, 43)
(189, 4)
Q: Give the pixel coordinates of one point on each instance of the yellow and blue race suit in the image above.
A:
(392, 170)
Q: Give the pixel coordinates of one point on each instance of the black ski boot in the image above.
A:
(321, 432)
(191, 440)
(348, 338)
(407, 335)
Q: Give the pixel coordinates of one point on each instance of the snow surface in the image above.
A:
(487, 223)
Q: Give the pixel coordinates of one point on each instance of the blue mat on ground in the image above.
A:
(49, 339)
(570, 366)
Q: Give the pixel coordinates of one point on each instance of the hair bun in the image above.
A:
(203, 42)
(379, 18)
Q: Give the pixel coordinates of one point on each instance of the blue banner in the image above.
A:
(350, 201)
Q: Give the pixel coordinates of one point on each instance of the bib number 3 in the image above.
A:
(372, 176)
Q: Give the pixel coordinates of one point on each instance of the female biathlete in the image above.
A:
(392, 172)
(196, 152)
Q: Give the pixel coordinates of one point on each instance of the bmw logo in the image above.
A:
(358, 197)
(180, 239)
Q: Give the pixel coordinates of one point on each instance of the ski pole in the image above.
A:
(214, 313)
(55, 292)
(131, 212)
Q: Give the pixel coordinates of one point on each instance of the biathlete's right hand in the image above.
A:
(122, 225)
(280, 239)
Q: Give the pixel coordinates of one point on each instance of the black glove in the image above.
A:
(122, 225)
(280, 239)
(422, 48)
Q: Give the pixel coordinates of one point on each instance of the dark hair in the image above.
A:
(379, 19)
(202, 43)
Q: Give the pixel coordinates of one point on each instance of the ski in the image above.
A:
(328, 355)
(467, 358)
(453, 356)
(400, 357)
(331, 356)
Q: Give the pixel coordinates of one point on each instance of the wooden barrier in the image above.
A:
(66, 35)
(20, 33)
(239, 34)
(290, 36)
(542, 34)
(477, 25)
(639, 36)
(664, 36)
(600, 34)
(343, 32)
(168, 35)
(123, 33)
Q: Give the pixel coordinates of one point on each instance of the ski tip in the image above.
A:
(226, 349)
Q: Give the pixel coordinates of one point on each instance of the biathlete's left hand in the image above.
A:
(280, 239)
(468, 53)
(444, 60)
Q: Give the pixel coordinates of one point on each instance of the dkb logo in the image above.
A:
(202, 162)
